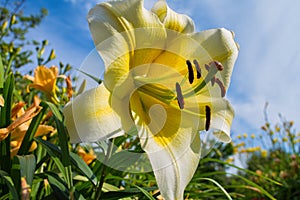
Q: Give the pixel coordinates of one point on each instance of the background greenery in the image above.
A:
(49, 167)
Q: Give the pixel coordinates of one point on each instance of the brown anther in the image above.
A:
(180, 99)
(222, 87)
(213, 80)
(207, 67)
(208, 117)
(217, 64)
(198, 69)
(191, 72)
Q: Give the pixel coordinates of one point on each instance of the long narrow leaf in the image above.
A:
(27, 164)
(79, 163)
(53, 155)
(63, 143)
(1, 73)
(75, 159)
(239, 168)
(220, 186)
(28, 138)
(5, 120)
(7, 179)
(149, 196)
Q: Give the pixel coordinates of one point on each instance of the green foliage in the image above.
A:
(278, 159)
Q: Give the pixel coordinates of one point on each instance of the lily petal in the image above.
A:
(172, 20)
(174, 164)
(220, 45)
(172, 147)
(119, 28)
(90, 118)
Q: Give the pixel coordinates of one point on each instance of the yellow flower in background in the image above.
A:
(45, 80)
(264, 153)
(160, 78)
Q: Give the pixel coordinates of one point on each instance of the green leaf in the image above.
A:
(149, 196)
(60, 190)
(27, 164)
(7, 179)
(75, 159)
(1, 73)
(122, 160)
(83, 167)
(55, 110)
(54, 156)
(239, 168)
(64, 145)
(98, 80)
(8, 89)
(115, 195)
(217, 184)
(57, 184)
(5, 120)
(28, 138)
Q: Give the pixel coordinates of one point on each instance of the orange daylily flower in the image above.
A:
(22, 119)
(69, 87)
(88, 157)
(45, 80)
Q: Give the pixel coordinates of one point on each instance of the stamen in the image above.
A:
(198, 69)
(191, 72)
(208, 117)
(222, 87)
(217, 64)
(213, 80)
(180, 99)
(207, 67)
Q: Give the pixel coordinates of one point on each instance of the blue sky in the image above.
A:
(268, 66)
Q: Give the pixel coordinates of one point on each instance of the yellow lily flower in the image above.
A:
(161, 78)
(45, 80)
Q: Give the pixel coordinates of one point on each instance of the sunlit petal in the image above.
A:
(89, 116)
(174, 164)
(171, 19)
(220, 45)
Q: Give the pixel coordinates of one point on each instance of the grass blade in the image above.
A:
(217, 184)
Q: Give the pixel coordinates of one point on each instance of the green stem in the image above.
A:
(103, 168)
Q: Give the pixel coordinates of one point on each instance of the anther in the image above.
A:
(191, 72)
(207, 67)
(222, 87)
(213, 80)
(198, 69)
(180, 99)
(208, 117)
(217, 64)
